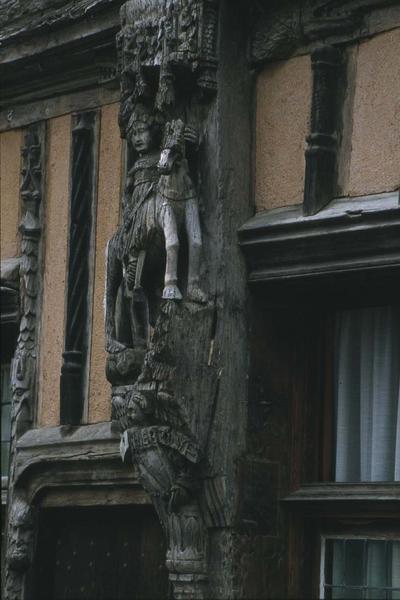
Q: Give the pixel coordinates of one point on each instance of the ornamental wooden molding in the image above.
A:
(279, 31)
(20, 523)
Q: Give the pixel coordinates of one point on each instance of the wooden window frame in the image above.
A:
(347, 255)
(325, 506)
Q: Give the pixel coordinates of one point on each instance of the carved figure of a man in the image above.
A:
(164, 199)
(134, 233)
(159, 198)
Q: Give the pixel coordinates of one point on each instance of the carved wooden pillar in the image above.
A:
(322, 141)
(74, 357)
(175, 298)
(20, 518)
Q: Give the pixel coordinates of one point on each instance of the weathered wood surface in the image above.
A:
(349, 235)
(281, 30)
(51, 459)
(20, 18)
(192, 384)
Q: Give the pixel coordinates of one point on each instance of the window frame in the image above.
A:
(353, 536)
(345, 255)
(322, 507)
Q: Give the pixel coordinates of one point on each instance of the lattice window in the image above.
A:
(353, 567)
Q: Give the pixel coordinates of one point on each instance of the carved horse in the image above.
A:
(175, 207)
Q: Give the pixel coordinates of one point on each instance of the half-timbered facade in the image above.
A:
(200, 322)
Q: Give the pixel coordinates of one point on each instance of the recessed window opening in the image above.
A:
(367, 395)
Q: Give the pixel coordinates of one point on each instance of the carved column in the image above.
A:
(175, 326)
(20, 519)
(322, 142)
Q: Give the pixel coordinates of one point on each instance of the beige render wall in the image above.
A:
(55, 267)
(10, 173)
(56, 220)
(54, 280)
(374, 151)
(283, 97)
(108, 205)
(55, 240)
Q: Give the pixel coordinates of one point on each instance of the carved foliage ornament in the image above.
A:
(20, 534)
(159, 37)
(24, 364)
(279, 28)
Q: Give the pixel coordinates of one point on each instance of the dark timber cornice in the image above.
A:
(21, 19)
(349, 236)
(283, 29)
(81, 464)
(63, 49)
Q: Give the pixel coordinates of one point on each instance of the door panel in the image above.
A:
(100, 554)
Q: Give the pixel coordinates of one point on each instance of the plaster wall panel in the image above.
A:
(10, 173)
(282, 123)
(375, 154)
(108, 206)
(54, 282)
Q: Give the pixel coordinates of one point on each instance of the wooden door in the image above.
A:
(100, 554)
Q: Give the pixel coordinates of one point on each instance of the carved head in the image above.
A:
(21, 522)
(142, 129)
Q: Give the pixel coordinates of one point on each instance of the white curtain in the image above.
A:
(367, 394)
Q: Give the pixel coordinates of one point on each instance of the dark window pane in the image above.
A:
(347, 593)
(5, 422)
(5, 457)
(362, 568)
(5, 384)
(354, 560)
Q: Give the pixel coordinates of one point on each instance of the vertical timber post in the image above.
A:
(322, 142)
(174, 270)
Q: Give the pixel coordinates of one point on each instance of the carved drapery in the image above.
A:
(20, 524)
